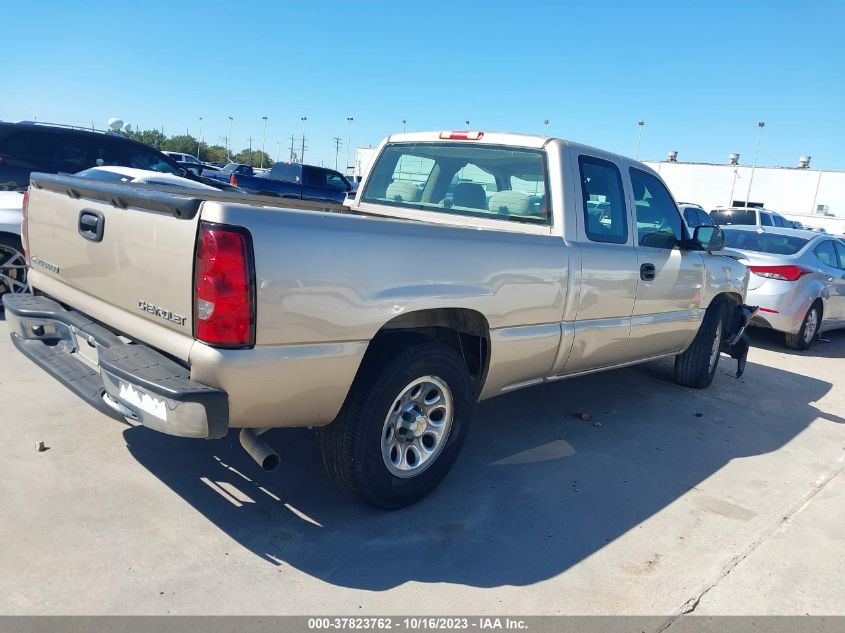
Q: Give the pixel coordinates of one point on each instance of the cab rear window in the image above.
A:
(485, 181)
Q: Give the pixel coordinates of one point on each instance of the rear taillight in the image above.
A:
(784, 273)
(25, 226)
(224, 288)
(233, 180)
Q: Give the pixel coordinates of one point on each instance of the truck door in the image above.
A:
(609, 269)
(668, 309)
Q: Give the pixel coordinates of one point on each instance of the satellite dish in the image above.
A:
(115, 124)
(127, 128)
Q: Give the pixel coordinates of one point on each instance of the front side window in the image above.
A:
(605, 212)
(658, 220)
(826, 253)
(484, 181)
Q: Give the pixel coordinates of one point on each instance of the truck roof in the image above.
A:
(535, 141)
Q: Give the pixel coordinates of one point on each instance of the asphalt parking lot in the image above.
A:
(726, 501)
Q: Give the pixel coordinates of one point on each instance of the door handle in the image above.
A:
(92, 224)
(647, 272)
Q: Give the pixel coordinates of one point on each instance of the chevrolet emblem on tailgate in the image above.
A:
(161, 312)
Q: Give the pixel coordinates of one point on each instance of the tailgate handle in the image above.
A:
(91, 225)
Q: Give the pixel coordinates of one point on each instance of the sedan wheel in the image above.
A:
(12, 266)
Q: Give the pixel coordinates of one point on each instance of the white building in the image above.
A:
(814, 197)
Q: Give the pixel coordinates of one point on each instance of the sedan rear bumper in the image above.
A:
(121, 379)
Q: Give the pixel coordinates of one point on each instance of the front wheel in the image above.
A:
(697, 365)
(12, 266)
(402, 426)
(809, 329)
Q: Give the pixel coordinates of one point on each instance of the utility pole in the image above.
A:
(291, 148)
(229, 145)
(250, 151)
(639, 138)
(263, 141)
(199, 140)
(348, 144)
(761, 125)
(304, 120)
(337, 141)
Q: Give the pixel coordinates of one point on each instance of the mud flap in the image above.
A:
(736, 342)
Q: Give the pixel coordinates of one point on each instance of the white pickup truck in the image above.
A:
(468, 264)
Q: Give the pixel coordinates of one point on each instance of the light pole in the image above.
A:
(279, 155)
(545, 127)
(761, 125)
(199, 140)
(348, 141)
(304, 119)
(639, 138)
(404, 123)
(263, 141)
(467, 122)
(229, 142)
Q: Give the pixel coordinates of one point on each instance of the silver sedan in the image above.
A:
(797, 279)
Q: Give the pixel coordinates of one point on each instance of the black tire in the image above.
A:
(352, 444)
(799, 341)
(693, 368)
(11, 253)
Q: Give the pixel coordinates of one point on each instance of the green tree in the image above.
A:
(184, 143)
(253, 158)
(214, 154)
(153, 138)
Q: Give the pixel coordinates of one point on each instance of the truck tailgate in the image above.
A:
(121, 253)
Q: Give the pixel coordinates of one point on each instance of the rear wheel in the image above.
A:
(12, 266)
(697, 365)
(402, 426)
(809, 329)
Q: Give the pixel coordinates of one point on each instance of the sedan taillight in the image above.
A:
(224, 288)
(784, 273)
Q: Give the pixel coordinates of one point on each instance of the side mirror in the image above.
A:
(708, 238)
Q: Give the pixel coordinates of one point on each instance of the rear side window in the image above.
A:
(485, 181)
(750, 240)
(658, 220)
(840, 251)
(605, 212)
(766, 220)
(744, 217)
(826, 253)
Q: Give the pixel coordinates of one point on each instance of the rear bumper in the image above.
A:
(122, 380)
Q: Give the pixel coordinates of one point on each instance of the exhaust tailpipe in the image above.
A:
(259, 450)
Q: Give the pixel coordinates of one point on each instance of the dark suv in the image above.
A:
(38, 147)
(29, 147)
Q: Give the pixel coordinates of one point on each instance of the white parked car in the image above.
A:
(748, 216)
(12, 262)
(181, 157)
(130, 174)
(797, 280)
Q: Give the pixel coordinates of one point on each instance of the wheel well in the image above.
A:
(466, 331)
(734, 318)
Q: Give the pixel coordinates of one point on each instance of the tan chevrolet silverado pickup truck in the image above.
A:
(467, 265)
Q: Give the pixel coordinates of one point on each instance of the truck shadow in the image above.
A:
(535, 491)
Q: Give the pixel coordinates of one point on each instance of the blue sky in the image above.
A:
(701, 74)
